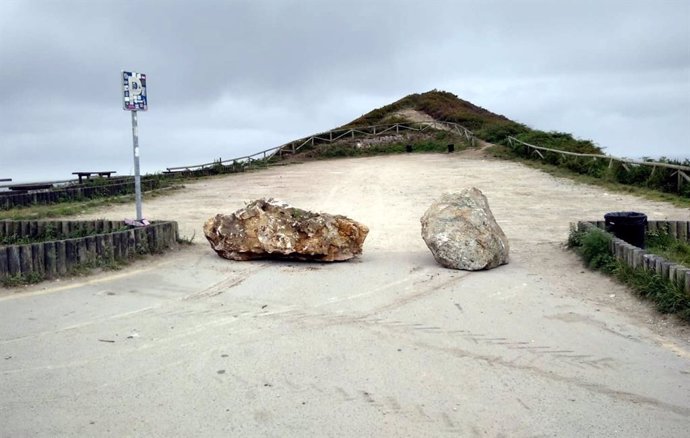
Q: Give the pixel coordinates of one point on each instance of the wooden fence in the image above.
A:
(125, 185)
(114, 187)
(55, 248)
(640, 258)
(329, 137)
(680, 171)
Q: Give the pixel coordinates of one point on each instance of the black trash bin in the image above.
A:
(408, 148)
(451, 148)
(627, 225)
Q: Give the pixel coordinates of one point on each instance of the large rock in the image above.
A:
(461, 232)
(270, 228)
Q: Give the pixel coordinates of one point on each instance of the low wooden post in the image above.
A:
(91, 250)
(12, 228)
(100, 245)
(682, 230)
(651, 226)
(681, 272)
(25, 259)
(37, 258)
(40, 229)
(33, 229)
(14, 261)
(672, 272)
(50, 259)
(24, 227)
(141, 240)
(65, 229)
(638, 255)
(71, 254)
(108, 248)
(82, 251)
(131, 244)
(4, 262)
(61, 257)
(117, 247)
(646, 261)
(659, 268)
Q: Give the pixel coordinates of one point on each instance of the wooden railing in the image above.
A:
(330, 137)
(68, 190)
(680, 171)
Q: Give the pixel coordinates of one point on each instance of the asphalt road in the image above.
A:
(387, 345)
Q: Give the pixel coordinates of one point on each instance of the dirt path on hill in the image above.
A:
(389, 345)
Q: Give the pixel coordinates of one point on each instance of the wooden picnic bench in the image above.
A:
(88, 175)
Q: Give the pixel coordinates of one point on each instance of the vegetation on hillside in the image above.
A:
(440, 105)
(491, 127)
(495, 128)
(659, 179)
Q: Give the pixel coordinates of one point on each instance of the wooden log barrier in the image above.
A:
(77, 243)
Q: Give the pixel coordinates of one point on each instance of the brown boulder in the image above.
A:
(270, 228)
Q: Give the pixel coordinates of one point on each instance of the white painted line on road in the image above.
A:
(352, 297)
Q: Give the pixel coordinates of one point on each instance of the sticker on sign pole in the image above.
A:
(134, 91)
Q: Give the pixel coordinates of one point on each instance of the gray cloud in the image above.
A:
(232, 77)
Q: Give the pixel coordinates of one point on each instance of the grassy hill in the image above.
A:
(491, 127)
(495, 128)
(440, 105)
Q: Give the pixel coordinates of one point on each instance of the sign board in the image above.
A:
(134, 91)
(134, 100)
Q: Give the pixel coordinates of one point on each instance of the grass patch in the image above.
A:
(184, 240)
(663, 244)
(72, 208)
(21, 280)
(593, 247)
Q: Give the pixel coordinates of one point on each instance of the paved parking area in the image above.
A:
(390, 344)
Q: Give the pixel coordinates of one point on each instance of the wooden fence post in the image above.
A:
(50, 259)
(4, 262)
(37, 258)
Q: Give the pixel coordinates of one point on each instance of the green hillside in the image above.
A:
(440, 105)
(496, 128)
(491, 127)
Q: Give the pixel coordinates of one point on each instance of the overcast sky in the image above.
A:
(227, 78)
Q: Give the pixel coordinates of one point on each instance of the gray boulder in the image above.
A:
(461, 232)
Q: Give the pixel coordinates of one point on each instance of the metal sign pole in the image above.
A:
(137, 175)
(134, 99)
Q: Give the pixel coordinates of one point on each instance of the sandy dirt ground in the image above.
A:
(387, 345)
